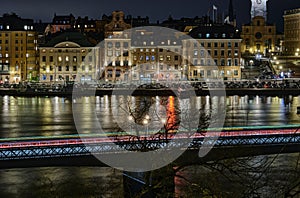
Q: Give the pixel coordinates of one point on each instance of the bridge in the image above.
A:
(72, 150)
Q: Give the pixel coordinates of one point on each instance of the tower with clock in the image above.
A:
(259, 8)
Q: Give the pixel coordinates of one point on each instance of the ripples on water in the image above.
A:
(42, 116)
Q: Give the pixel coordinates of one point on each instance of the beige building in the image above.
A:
(68, 57)
(18, 49)
(117, 58)
(292, 32)
(260, 37)
(215, 52)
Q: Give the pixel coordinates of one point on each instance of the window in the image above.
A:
(109, 52)
(202, 53)
(236, 72)
(201, 73)
(229, 62)
(51, 58)
(229, 52)
(153, 58)
(59, 59)
(229, 44)
(161, 57)
(222, 62)
(16, 41)
(258, 23)
(17, 48)
(222, 53)
(208, 72)
(59, 68)
(195, 73)
(176, 58)
(147, 58)
(118, 45)
(44, 59)
(125, 44)
(109, 45)
(74, 59)
(67, 58)
(216, 61)
(236, 44)
(67, 68)
(168, 58)
(208, 44)
(222, 44)
(74, 68)
(215, 52)
(82, 58)
(195, 52)
(215, 44)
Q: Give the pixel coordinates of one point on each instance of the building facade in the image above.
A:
(260, 37)
(18, 49)
(68, 57)
(214, 53)
(292, 32)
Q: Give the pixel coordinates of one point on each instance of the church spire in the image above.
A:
(230, 11)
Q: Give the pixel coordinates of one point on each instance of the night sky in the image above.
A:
(155, 9)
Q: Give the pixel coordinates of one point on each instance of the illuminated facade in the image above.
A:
(68, 57)
(18, 49)
(292, 32)
(216, 54)
(260, 37)
(117, 58)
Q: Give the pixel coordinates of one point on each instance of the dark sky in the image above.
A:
(155, 9)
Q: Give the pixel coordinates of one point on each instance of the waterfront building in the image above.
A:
(216, 54)
(117, 57)
(259, 36)
(156, 58)
(18, 49)
(292, 32)
(66, 56)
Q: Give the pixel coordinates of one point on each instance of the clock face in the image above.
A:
(258, 1)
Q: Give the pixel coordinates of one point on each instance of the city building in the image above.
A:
(215, 54)
(68, 57)
(62, 22)
(117, 24)
(156, 58)
(116, 57)
(260, 37)
(18, 49)
(292, 32)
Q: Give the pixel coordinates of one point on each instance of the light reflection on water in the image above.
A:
(42, 116)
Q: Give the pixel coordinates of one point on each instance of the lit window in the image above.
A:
(59, 59)
(25, 27)
(207, 35)
(7, 27)
(67, 58)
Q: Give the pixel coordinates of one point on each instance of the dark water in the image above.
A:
(42, 116)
